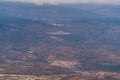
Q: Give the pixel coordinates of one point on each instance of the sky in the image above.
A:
(68, 1)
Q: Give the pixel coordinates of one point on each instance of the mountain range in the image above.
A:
(57, 39)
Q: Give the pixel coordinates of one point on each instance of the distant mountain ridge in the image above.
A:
(104, 9)
(57, 39)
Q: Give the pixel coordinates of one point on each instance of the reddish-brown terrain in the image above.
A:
(59, 40)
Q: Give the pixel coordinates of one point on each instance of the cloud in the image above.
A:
(68, 1)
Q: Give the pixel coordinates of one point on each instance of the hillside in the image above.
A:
(57, 39)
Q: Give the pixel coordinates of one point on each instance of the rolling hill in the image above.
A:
(57, 39)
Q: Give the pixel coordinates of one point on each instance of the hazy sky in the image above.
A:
(68, 1)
